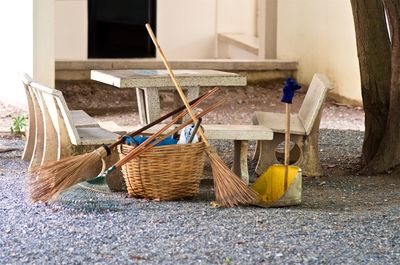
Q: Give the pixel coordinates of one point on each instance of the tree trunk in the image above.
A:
(374, 54)
(388, 154)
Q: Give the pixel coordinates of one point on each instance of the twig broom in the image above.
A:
(45, 182)
(230, 190)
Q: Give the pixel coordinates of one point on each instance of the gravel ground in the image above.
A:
(344, 219)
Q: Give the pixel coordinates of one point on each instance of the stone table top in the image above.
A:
(160, 78)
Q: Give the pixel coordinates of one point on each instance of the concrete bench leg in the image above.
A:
(148, 104)
(307, 154)
(240, 167)
(114, 180)
(310, 163)
(51, 149)
(267, 156)
(30, 144)
(257, 151)
(31, 132)
(38, 150)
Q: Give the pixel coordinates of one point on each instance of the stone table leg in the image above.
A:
(191, 93)
(239, 166)
(148, 104)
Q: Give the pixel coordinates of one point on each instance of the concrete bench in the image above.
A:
(56, 132)
(148, 83)
(304, 128)
(240, 134)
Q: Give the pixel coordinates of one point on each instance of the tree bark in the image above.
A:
(374, 54)
(388, 154)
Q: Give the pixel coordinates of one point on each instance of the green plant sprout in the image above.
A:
(18, 125)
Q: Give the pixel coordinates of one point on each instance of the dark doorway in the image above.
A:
(116, 28)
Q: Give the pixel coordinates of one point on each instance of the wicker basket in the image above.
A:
(168, 172)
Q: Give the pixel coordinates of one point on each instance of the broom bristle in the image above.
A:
(230, 190)
(45, 182)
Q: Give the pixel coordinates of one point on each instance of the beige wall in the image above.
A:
(186, 29)
(71, 29)
(27, 46)
(236, 18)
(320, 36)
(43, 42)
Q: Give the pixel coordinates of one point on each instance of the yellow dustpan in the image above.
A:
(270, 187)
(280, 185)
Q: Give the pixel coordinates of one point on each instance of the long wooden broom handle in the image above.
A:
(150, 143)
(144, 128)
(287, 145)
(175, 81)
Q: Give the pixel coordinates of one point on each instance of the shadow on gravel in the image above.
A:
(88, 198)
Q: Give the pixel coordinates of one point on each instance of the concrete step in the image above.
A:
(254, 70)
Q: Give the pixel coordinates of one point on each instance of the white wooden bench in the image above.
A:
(240, 134)
(55, 131)
(304, 127)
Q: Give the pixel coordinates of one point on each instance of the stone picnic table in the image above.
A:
(148, 83)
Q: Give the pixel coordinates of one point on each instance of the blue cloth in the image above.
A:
(288, 90)
(137, 140)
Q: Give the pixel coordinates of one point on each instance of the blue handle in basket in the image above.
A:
(137, 140)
